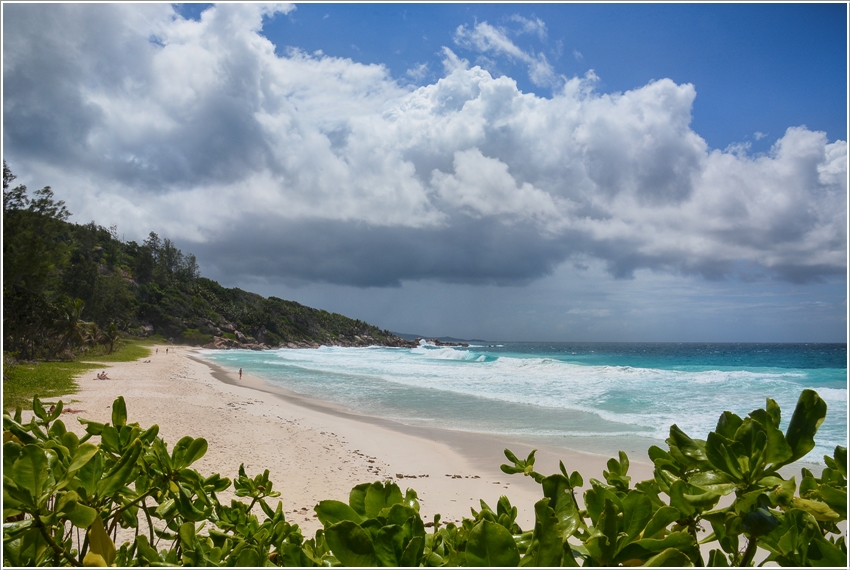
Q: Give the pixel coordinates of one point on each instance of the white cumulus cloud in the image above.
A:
(319, 168)
(485, 38)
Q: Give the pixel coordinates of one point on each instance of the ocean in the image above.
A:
(597, 397)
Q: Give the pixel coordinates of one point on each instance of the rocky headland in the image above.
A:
(227, 336)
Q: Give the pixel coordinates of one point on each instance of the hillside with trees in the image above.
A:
(67, 286)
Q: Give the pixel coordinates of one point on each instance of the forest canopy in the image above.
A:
(67, 286)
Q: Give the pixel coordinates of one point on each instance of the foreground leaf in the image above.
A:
(491, 544)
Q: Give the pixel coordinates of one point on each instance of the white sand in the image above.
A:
(312, 451)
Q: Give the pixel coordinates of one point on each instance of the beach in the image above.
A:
(315, 451)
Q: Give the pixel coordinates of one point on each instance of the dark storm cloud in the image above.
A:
(345, 253)
(312, 168)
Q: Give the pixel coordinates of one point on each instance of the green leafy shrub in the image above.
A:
(56, 485)
(195, 337)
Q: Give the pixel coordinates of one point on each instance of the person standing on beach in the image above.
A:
(240, 374)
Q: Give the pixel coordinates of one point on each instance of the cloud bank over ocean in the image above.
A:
(303, 167)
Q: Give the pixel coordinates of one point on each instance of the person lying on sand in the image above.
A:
(103, 376)
(65, 410)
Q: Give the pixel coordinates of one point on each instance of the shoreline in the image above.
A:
(481, 448)
(314, 452)
(548, 455)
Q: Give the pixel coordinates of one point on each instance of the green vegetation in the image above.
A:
(129, 350)
(76, 292)
(70, 288)
(49, 379)
(24, 380)
(64, 498)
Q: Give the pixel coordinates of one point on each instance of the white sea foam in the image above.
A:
(833, 395)
(477, 390)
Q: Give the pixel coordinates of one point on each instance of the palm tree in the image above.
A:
(94, 335)
(111, 336)
(70, 326)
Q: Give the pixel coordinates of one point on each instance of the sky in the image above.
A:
(529, 172)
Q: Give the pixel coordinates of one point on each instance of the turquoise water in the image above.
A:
(598, 397)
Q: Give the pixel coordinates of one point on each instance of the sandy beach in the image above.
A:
(313, 451)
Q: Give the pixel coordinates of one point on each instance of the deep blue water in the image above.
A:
(598, 397)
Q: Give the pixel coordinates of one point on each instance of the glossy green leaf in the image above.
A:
(357, 498)
(399, 514)
(718, 454)
(99, 541)
(413, 552)
(823, 553)
(717, 558)
(669, 557)
(713, 481)
(728, 424)
(609, 524)
(546, 547)
(772, 409)
(119, 475)
(84, 453)
(119, 412)
(576, 480)
(835, 498)
(776, 450)
(38, 409)
(82, 516)
(491, 544)
(110, 439)
(69, 507)
(380, 496)
(808, 416)
(389, 543)
(660, 520)
(840, 457)
(821, 511)
(331, 512)
(71, 441)
(248, 558)
(351, 544)
(637, 511)
(187, 535)
(557, 489)
(647, 547)
(689, 447)
(90, 474)
(29, 473)
(196, 450)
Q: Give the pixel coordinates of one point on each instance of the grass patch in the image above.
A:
(45, 379)
(49, 379)
(127, 350)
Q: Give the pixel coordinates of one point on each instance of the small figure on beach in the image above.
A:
(157, 351)
(103, 376)
(240, 374)
(166, 351)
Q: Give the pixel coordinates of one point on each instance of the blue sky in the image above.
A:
(625, 172)
(756, 67)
